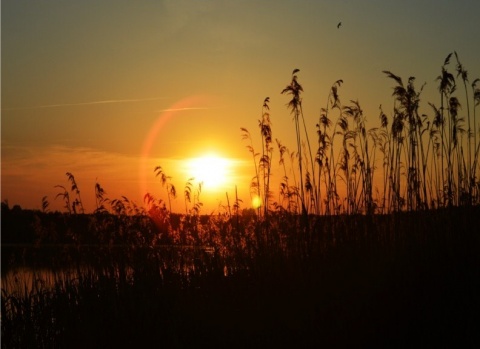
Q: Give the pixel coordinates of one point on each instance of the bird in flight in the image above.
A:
(339, 24)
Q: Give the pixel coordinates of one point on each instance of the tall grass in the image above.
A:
(294, 89)
(305, 270)
(382, 279)
(414, 161)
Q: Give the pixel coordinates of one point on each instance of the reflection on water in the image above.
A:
(43, 269)
(24, 280)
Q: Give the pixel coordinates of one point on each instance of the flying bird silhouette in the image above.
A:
(339, 24)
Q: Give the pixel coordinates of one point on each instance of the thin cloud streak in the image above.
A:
(108, 101)
(185, 109)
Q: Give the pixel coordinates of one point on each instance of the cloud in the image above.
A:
(108, 101)
(29, 173)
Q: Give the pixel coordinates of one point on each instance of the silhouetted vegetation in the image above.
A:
(375, 280)
(413, 161)
(393, 263)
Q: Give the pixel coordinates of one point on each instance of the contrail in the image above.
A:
(108, 101)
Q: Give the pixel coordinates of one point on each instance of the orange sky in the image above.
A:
(108, 90)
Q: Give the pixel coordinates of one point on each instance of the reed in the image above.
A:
(265, 164)
(255, 189)
(391, 261)
(166, 183)
(294, 89)
(226, 287)
(427, 161)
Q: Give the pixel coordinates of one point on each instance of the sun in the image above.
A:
(210, 169)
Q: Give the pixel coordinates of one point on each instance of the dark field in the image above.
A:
(398, 280)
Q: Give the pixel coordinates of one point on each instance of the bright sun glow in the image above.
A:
(212, 170)
(256, 202)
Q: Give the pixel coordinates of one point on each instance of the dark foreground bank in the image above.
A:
(382, 281)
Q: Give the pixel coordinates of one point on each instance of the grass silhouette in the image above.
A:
(392, 263)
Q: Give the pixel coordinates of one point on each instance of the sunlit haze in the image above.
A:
(110, 90)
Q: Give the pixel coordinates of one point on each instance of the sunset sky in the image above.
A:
(108, 90)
